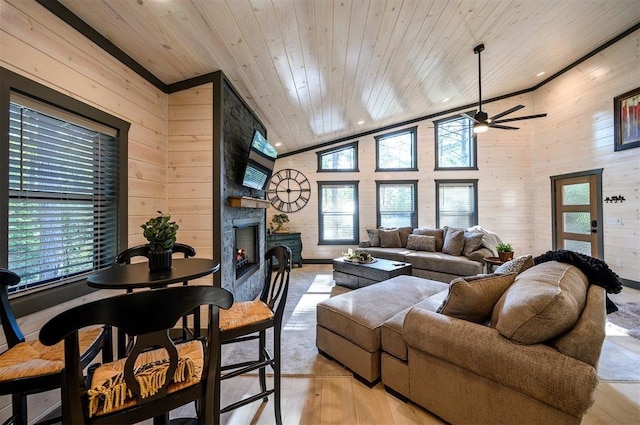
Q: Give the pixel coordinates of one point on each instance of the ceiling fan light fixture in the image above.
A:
(480, 127)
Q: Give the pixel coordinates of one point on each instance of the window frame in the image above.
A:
(414, 183)
(31, 302)
(413, 131)
(473, 144)
(473, 182)
(320, 154)
(356, 214)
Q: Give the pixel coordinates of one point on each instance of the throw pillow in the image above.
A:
(374, 237)
(422, 243)
(404, 235)
(474, 300)
(389, 238)
(437, 233)
(543, 303)
(517, 265)
(453, 241)
(472, 242)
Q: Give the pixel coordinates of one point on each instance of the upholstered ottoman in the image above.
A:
(348, 325)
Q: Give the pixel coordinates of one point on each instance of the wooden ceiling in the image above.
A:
(316, 71)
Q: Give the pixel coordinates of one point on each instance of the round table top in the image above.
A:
(494, 260)
(138, 275)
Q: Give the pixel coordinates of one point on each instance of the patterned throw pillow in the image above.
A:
(475, 299)
(437, 233)
(389, 238)
(422, 243)
(453, 241)
(517, 265)
(374, 237)
(472, 242)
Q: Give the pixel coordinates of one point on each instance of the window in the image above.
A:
(455, 144)
(396, 203)
(343, 158)
(65, 191)
(338, 213)
(397, 151)
(456, 203)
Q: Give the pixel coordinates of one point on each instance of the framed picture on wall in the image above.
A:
(626, 120)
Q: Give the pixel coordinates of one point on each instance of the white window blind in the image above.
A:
(63, 187)
(397, 204)
(456, 204)
(338, 212)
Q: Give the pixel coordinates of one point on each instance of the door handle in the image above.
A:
(594, 226)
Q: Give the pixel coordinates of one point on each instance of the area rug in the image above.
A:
(300, 356)
(618, 363)
(627, 318)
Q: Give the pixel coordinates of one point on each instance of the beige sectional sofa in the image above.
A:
(532, 359)
(452, 253)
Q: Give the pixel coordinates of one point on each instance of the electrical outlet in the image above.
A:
(613, 221)
(618, 262)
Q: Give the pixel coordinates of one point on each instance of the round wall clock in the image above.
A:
(289, 190)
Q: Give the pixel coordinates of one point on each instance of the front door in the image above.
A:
(578, 212)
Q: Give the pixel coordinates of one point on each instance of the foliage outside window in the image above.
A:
(343, 158)
(455, 144)
(397, 203)
(456, 203)
(338, 213)
(397, 151)
(63, 194)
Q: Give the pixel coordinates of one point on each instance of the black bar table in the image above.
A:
(138, 275)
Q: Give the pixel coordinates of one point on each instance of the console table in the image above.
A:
(292, 240)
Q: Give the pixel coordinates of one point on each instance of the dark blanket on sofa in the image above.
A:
(596, 270)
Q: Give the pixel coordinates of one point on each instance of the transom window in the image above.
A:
(397, 151)
(456, 203)
(343, 158)
(338, 213)
(396, 203)
(455, 144)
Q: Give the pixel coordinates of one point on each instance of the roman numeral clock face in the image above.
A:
(289, 190)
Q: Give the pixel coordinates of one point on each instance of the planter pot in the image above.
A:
(505, 256)
(159, 260)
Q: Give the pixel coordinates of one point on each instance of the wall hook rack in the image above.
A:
(616, 199)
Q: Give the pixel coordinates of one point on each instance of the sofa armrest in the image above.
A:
(479, 255)
(537, 370)
(364, 244)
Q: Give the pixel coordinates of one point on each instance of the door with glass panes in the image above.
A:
(578, 213)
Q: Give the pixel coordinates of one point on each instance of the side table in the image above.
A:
(491, 262)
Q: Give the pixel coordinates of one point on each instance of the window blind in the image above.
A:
(456, 204)
(338, 211)
(63, 186)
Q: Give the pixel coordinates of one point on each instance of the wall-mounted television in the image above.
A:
(260, 163)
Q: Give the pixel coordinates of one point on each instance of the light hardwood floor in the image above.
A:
(344, 400)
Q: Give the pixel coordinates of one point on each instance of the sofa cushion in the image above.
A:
(391, 331)
(453, 241)
(472, 242)
(390, 238)
(444, 263)
(374, 237)
(517, 265)
(474, 299)
(422, 243)
(543, 303)
(358, 315)
(437, 233)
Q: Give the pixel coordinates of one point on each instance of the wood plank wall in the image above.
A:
(515, 167)
(39, 46)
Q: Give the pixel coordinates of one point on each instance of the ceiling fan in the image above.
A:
(481, 121)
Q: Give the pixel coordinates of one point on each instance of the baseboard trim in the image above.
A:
(317, 261)
(630, 283)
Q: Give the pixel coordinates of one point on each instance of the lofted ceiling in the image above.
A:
(319, 70)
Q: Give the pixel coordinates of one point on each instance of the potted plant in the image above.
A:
(161, 235)
(278, 220)
(505, 251)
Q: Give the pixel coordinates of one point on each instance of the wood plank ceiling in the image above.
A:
(317, 71)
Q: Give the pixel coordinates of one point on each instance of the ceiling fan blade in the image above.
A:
(503, 127)
(528, 117)
(507, 112)
(470, 117)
